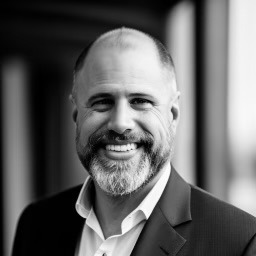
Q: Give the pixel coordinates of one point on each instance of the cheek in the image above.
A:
(157, 123)
(88, 123)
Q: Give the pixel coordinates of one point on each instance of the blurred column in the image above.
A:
(213, 116)
(16, 145)
(242, 104)
(180, 30)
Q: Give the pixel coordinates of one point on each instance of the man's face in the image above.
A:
(125, 127)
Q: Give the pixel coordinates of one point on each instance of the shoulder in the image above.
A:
(51, 224)
(217, 214)
(217, 228)
(54, 206)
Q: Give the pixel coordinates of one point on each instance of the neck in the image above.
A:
(111, 210)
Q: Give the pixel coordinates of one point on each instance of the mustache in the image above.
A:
(101, 138)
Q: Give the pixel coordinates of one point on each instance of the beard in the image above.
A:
(122, 177)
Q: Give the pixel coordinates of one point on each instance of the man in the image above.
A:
(126, 113)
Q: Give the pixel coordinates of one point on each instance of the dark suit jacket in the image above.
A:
(186, 221)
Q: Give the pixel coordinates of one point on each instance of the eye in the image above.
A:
(141, 103)
(102, 105)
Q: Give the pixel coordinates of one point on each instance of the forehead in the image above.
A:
(132, 69)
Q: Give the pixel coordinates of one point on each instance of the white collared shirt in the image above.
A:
(92, 241)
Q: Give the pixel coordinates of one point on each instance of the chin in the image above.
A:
(118, 178)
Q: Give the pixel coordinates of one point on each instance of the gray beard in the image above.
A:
(123, 177)
(119, 178)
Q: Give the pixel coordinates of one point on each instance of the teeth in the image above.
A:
(122, 148)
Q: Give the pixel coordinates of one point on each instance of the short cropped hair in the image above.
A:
(164, 56)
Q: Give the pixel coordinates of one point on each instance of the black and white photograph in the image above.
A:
(128, 128)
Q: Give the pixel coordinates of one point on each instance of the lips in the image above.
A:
(111, 145)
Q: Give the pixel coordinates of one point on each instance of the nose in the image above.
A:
(121, 118)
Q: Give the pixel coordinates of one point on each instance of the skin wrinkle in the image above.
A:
(104, 89)
(156, 104)
(107, 70)
(105, 43)
(124, 39)
(154, 111)
(112, 183)
(110, 189)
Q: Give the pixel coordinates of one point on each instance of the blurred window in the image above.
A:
(242, 104)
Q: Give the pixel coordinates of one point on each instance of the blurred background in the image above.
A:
(213, 46)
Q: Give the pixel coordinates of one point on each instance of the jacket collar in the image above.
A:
(175, 202)
(159, 236)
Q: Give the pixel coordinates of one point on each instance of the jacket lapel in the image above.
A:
(159, 237)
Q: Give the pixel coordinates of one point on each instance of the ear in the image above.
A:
(175, 110)
(74, 111)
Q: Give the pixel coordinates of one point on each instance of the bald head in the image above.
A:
(124, 39)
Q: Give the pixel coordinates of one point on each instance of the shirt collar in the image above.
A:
(84, 201)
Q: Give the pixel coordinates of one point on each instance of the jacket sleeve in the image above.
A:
(25, 234)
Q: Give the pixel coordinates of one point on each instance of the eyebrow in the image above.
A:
(109, 95)
(141, 95)
(99, 95)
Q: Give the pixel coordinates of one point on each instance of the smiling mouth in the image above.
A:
(122, 148)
